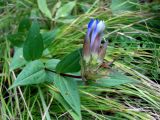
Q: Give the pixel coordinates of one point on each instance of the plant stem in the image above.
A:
(64, 74)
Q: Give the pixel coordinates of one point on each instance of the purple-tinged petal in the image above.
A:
(96, 44)
(97, 36)
(91, 26)
(93, 35)
(100, 26)
(86, 50)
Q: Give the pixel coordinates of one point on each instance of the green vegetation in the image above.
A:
(37, 34)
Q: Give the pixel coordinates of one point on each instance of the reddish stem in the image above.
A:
(64, 74)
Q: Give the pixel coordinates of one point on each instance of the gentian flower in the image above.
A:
(93, 51)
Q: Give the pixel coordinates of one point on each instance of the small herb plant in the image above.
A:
(84, 66)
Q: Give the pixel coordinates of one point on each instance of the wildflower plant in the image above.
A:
(65, 72)
(94, 52)
(35, 51)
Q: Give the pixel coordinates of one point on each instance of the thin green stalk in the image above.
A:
(46, 113)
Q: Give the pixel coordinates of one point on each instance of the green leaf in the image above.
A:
(70, 63)
(18, 60)
(33, 73)
(118, 6)
(49, 76)
(61, 100)
(42, 4)
(16, 39)
(48, 37)
(33, 46)
(65, 10)
(51, 64)
(69, 91)
(115, 79)
(24, 25)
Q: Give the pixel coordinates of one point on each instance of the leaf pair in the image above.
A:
(62, 12)
(37, 72)
(33, 73)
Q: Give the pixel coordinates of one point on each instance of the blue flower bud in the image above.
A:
(94, 52)
(93, 39)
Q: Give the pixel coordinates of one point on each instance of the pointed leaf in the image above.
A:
(65, 10)
(60, 99)
(33, 73)
(42, 4)
(68, 89)
(70, 63)
(33, 46)
(115, 79)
